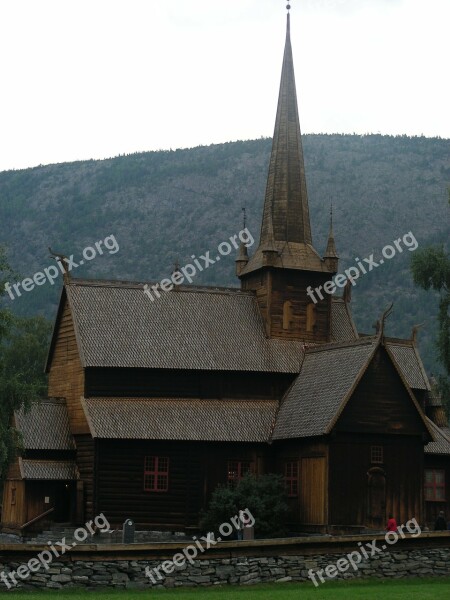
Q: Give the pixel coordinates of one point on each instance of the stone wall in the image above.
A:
(246, 569)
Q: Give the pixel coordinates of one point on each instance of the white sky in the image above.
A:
(95, 78)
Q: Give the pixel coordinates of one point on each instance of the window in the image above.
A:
(291, 478)
(376, 454)
(435, 485)
(311, 316)
(13, 495)
(236, 469)
(287, 314)
(156, 474)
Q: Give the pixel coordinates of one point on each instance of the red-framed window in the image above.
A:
(236, 469)
(376, 454)
(435, 485)
(291, 478)
(156, 474)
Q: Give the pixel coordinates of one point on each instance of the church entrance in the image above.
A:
(376, 498)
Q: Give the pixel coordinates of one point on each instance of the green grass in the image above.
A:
(409, 589)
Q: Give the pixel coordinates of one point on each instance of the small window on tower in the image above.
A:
(311, 316)
(13, 496)
(287, 314)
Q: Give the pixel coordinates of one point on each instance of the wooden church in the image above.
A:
(151, 405)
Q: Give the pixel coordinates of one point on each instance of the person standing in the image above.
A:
(391, 524)
(441, 523)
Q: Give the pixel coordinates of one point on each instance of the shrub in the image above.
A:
(263, 496)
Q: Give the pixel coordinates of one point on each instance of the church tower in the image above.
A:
(286, 263)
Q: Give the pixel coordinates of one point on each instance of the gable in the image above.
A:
(381, 402)
(327, 378)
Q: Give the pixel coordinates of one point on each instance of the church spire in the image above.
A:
(286, 240)
(286, 211)
(285, 267)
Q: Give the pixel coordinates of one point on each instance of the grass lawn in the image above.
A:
(410, 589)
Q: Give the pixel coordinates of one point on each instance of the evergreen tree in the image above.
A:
(431, 270)
(23, 347)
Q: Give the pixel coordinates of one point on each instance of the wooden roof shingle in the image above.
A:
(181, 419)
(342, 326)
(328, 375)
(441, 443)
(45, 426)
(408, 359)
(48, 469)
(199, 328)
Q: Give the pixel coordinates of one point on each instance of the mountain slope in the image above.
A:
(166, 206)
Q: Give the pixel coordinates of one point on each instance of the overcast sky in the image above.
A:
(96, 78)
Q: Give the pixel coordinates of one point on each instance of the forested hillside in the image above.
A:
(166, 206)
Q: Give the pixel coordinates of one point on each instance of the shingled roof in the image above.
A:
(200, 328)
(342, 326)
(327, 376)
(180, 419)
(45, 426)
(408, 359)
(441, 445)
(48, 469)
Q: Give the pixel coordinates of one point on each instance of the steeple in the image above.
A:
(286, 268)
(286, 230)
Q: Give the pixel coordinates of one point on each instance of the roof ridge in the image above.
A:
(139, 284)
(438, 429)
(366, 341)
(399, 341)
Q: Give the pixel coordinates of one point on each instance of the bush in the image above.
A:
(263, 496)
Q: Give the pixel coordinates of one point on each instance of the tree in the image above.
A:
(431, 270)
(23, 348)
(263, 496)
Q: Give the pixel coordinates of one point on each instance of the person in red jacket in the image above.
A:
(391, 524)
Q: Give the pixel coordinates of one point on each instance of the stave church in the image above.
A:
(151, 405)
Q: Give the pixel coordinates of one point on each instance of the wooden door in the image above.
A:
(376, 494)
(312, 491)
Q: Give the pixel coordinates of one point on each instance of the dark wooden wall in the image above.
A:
(85, 459)
(166, 383)
(381, 403)
(195, 470)
(432, 508)
(349, 464)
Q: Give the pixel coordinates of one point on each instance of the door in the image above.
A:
(312, 491)
(376, 494)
